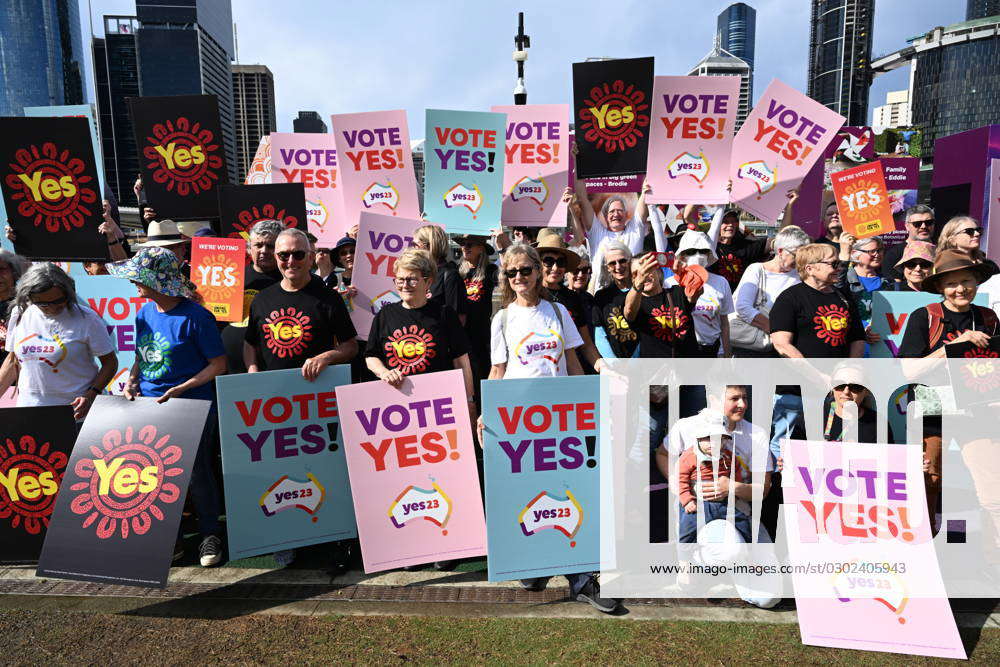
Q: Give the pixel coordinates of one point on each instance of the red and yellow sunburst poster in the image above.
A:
(122, 492)
(50, 188)
(34, 449)
(217, 270)
(863, 201)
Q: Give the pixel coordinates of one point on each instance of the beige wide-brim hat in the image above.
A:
(189, 227)
(162, 233)
(552, 242)
(950, 261)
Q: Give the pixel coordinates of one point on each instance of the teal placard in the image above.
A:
(890, 314)
(463, 170)
(283, 461)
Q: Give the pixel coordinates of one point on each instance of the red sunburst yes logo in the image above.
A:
(123, 486)
(50, 187)
(30, 474)
(613, 116)
(183, 156)
(249, 217)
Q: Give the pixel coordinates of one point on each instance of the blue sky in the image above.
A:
(340, 57)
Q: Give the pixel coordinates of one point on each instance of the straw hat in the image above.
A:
(162, 233)
(189, 228)
(950, 261)
(552, 242)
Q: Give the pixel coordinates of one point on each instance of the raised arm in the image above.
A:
(580, 186)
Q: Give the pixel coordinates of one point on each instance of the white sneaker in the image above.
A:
(210, 551)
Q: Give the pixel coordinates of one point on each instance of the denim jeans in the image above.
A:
(712, 509)
(788, 418)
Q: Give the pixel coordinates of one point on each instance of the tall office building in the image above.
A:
(954, 85)
(185, 47)
(116, 77)
(308, 121)
(980, 9)
(253, 99)
(840, 51)
(720, 62)
(895, 112)
(41, 55)
(737, 31)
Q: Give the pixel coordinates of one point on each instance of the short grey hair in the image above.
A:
(791, 238)
(614, 245)
(918, 209)
(40, 278)
(295, 234)
(267, 228)
(18, 265)
(862, 243)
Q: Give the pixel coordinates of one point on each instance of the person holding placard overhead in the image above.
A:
(11, 268)
(528, 314)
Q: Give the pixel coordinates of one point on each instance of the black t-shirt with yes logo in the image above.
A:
(822, 324)
(287, 328)
(665, 325)
(609, 313)
(417, 340)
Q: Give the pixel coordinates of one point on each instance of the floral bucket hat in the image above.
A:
(155, 267)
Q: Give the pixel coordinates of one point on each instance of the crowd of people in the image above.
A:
(602, 290)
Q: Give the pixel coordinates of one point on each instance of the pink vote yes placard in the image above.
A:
(413, 470)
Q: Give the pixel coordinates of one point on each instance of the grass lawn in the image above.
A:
(30, 637)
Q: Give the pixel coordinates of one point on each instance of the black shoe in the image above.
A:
(412, 568)
(210, 551)
(340, 558)
(534, 585)
(445, 565)
(591, 593)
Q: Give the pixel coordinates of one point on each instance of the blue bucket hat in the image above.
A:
(155, 267)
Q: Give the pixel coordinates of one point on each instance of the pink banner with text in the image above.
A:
(381, 240)
(311, 159)
(993, 211)
(691, 139)
(376, 166)
(779, 142)
(413, 470)
(537, 165)
(865, 571)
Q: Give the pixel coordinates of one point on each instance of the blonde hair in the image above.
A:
(948, 233)
(507, 294)
(415, 259)
(436, 240)
(477, 271)
(810, 254)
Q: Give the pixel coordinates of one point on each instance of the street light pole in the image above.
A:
(521, 45)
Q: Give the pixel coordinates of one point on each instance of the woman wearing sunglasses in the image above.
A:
(613, 336)
(914, 265)
(52, 341)
(849, 387)
(963, 234)
(715, 303)
(557, 261)
(480, 277)
(579, 282)
(533, 337)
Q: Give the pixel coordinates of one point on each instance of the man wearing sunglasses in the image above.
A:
(298, 322)
(919, 227)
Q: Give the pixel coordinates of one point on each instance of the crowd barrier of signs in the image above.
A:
(308, 463)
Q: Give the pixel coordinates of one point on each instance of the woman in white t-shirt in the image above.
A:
(533, 337)
(530, 336)
(53, 340)
(774, 276)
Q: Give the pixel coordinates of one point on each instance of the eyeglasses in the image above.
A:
(835, 264)
(297, 255)
(585, 269)
(468, 244)
(855, 388)
(922, 223)
(695, 251)
(616, 262)
(55, 302)
(550, 261)
(409, 282)
(525, 271)
(971, 231)
(873, 251)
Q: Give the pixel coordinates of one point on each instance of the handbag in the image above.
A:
(745, 335)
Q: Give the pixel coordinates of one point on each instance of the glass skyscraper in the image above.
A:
(116, 77)
(185, 47)
(980, 9)
(840, 52)
(41, 55)
(736, 29)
